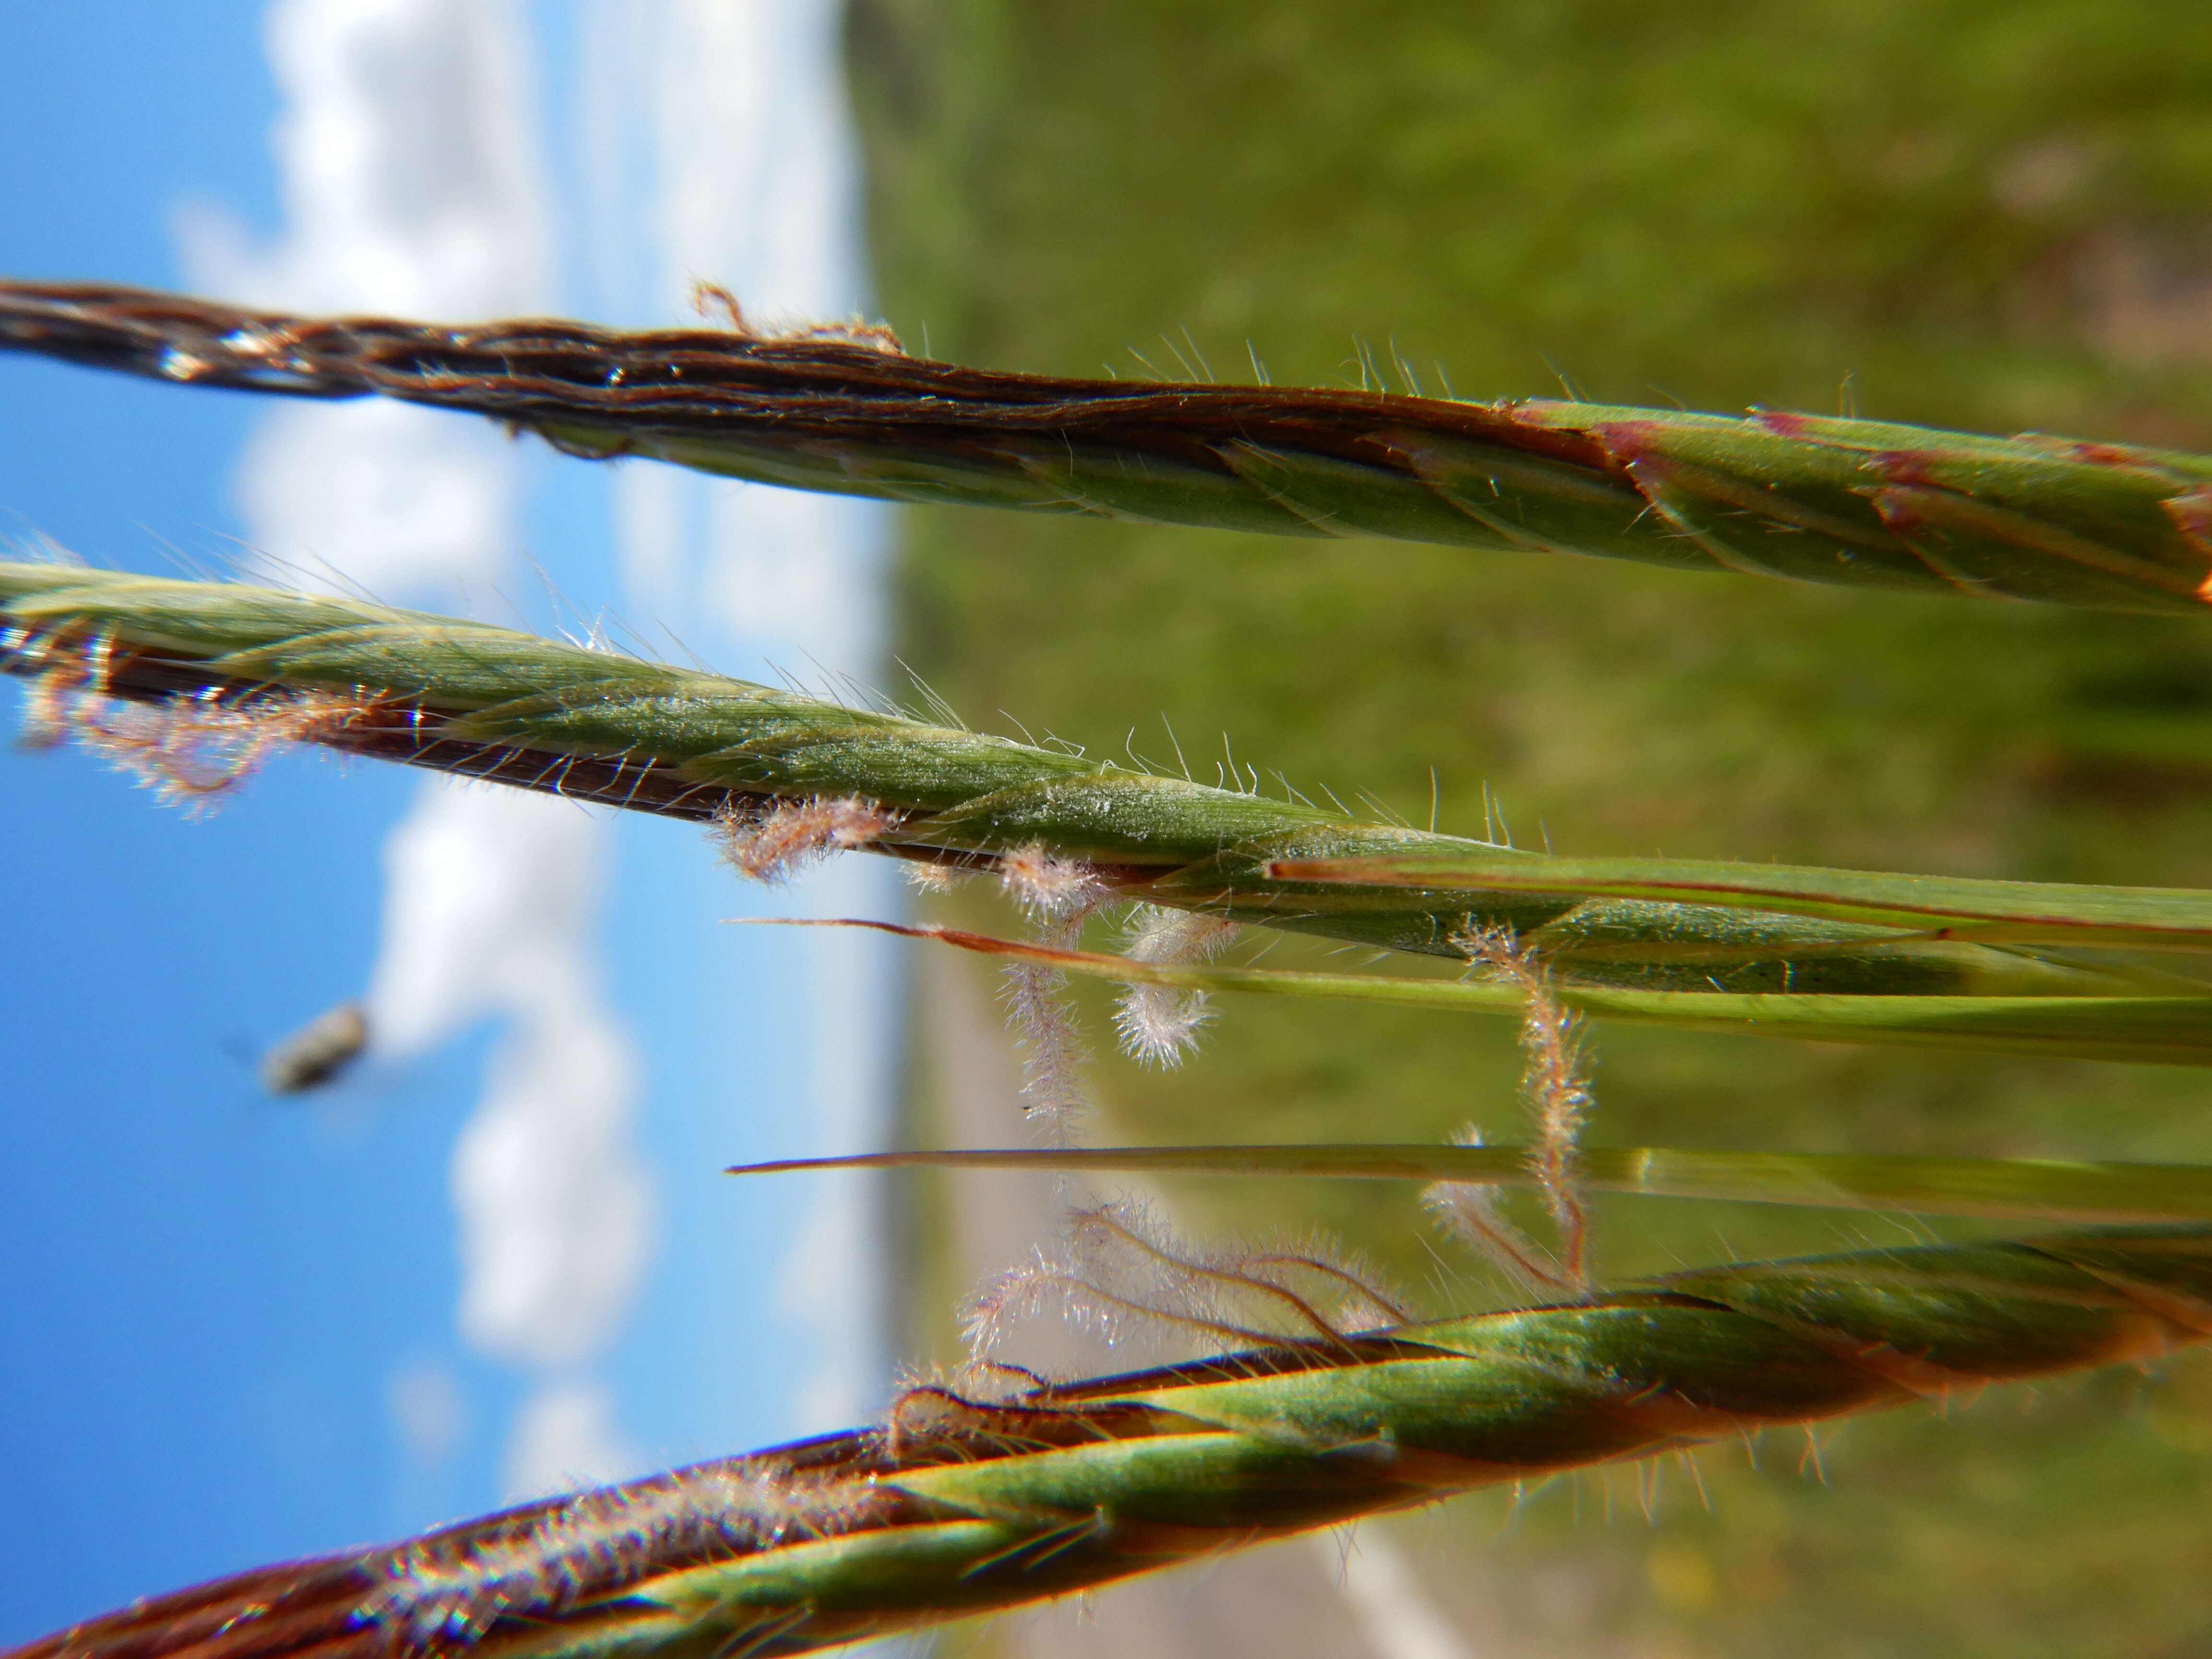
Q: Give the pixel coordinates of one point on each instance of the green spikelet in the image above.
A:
(960, 1507)
(1862, 503)
(491, 702)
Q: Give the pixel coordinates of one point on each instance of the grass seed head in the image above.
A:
(599, 1541)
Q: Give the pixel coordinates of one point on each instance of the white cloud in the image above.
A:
(410, 154)
(413, 505)
(759, 170)
(797, 573)
(759, 191)
(650, 530)
(824, 1264)
(429, 1412)
(555, 1209)
(565, 1439)
(410, 183)
(834, 1259)
(412, 186)
(491, 907)
(490, 895)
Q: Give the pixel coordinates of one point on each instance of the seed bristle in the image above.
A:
(1557, 1093)
(599, 1540)
(773, 843)
(1159, 1024)
(189, 750)
(1119, 1272)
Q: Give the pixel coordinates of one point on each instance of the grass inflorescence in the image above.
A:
(1815, 498)
(961, 1505)
(787, 776)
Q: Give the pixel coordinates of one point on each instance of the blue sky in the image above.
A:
(237, 1330)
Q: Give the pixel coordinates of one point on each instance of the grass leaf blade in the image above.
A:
(2007, 1189)
(2170, 1030)
(1959, 907)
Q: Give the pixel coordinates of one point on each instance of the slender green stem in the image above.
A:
(2005, 1188)
(2169, 1028)
(1946, 907)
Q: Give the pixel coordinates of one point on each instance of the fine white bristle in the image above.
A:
(1557, 1093)
(1119, 1270)
(1159, 1024)
(774, 843)
(191, 751)
(601, 1540)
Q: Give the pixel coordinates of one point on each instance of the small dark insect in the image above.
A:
(318, 1054)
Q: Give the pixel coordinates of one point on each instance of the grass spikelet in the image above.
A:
(601, 1540)
(961, 1505)
(1469, 1211)
(1557, 1094)
(774, 843)
(1119, 1272)
(840, 407)
(480, 701)
(1158, 1024)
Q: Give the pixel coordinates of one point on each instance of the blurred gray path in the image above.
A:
(1286, 1601)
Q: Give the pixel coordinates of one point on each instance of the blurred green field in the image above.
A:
(1963, 212)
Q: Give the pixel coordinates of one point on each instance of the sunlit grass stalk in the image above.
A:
(226, 661)
(961, 1506)
(2046, 1190)
(2173, 1029)
(1862, 503)
(1942, 906)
